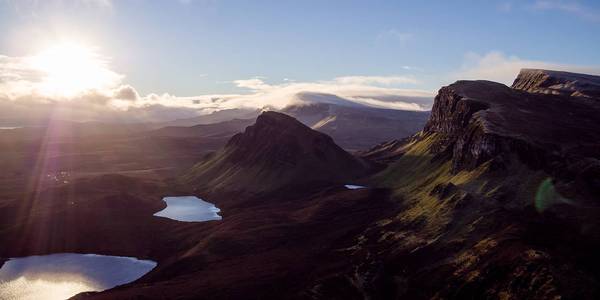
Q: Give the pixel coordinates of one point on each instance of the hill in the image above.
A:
(276, 151)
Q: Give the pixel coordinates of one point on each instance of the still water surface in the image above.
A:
(63, 275)
(189, 209)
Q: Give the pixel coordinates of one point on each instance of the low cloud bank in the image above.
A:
(24, 101)
(27, 96)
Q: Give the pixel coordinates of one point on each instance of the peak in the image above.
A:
(270, 121)
(272, 116)
(275, 128)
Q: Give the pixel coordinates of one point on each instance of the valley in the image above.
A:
(494, 195)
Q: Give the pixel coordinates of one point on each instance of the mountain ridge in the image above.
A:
(482, 190)
(357, 127)
(558, 83)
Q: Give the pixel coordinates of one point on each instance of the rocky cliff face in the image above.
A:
(558, 83)
(480, 120)
(499, 199)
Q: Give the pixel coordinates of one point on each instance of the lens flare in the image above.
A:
(69, 69)
(547, 196)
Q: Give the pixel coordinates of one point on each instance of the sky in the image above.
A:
(144, 55)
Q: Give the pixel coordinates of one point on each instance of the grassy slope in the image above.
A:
(415, 175)
(472, 239)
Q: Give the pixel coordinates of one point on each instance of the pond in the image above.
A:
(354, 187)
(63, 275)
(189, 209)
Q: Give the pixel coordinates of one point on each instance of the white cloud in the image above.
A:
(395, 35)
(571, 7)
(496, 66)
(126, 92)
(21, 95)
(253, 83)
(22, 85)
(383, 80)
(367, 90)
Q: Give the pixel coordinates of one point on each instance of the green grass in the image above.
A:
(415, 175)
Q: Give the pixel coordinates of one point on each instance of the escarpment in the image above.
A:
(478, 121)
(558, 83)
(500, 179)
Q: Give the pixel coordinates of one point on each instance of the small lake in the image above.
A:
(354, 187)
(63, 275)
(189, 209)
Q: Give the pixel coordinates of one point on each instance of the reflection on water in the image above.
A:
(60, 276)
(189, 209)
(354, 187)
(25, 289)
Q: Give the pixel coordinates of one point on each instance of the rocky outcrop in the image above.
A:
(558, 83)
(452, 111)
(525, 226)
(480, 120)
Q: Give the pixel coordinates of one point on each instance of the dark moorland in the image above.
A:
(496, 197)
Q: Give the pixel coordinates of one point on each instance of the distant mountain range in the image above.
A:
(354, 126)
(219, 129)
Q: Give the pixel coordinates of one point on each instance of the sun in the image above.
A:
(69, 69)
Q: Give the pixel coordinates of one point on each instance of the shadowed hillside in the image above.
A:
(276, 151)
(499, 196)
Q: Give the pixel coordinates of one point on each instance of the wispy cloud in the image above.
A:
(20, 88)
(395, 35)
(256, 83)
(22, 85)
(369, 90)
(376, 80)
(572, 7)
(496, 66)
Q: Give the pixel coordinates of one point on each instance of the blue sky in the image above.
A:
(202, 47)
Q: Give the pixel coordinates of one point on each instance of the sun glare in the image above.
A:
(69, 69)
